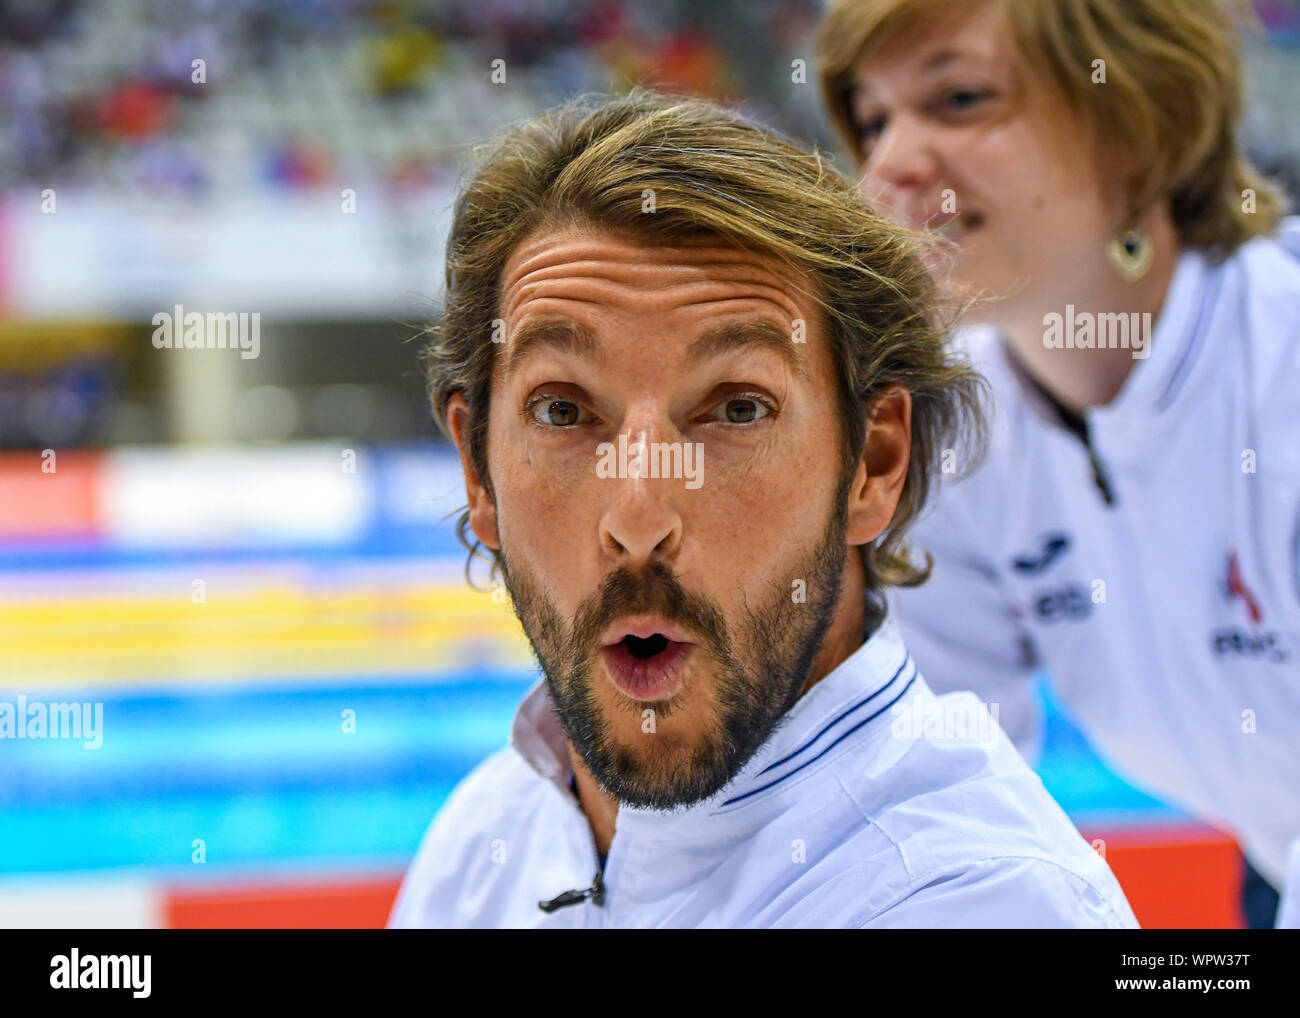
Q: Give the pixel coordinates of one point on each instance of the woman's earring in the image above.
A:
(1131, 252)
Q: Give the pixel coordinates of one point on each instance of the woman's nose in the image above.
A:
(903, 159)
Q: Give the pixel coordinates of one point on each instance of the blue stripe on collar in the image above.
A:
(838, 723)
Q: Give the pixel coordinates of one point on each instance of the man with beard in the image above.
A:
(729, 731)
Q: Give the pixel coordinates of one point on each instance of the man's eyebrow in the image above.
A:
(762, 332)
(566, 337)
(575, 338)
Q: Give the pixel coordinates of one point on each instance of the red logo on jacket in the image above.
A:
(1238, 588)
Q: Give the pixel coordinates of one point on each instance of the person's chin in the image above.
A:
(663, 770)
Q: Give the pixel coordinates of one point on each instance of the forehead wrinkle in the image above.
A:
(536, 290)
(698, 288)
(549, 273)
(764, 292)
(607, 272)
(539, 254)
(563, 254)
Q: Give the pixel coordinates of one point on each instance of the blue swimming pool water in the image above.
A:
(266, 774)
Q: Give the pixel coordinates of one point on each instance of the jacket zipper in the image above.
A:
(596, 892)
(1077, 425)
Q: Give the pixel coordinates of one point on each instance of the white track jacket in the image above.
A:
(1170, 618)
(874, 804)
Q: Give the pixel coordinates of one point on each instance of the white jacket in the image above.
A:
(862, 810)
(1170, 620)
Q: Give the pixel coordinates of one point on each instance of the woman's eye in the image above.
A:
(742, 410)
(869, 130)
(558, 413)
(962, 99)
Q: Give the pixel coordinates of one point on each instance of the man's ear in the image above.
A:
(882, 471)
(482, 510)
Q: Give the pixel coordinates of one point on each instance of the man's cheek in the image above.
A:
(737, 547)
(773, 490)
(535, 475)
(544, 525)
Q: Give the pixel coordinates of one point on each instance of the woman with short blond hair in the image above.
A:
(1130, 290)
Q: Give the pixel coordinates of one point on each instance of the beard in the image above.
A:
(761, 665)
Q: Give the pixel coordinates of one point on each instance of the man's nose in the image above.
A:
(641, 520)
(902, 160)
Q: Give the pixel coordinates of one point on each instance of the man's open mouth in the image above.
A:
(647, 648)
(646, 664)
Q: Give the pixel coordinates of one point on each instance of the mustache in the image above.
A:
(654, 590)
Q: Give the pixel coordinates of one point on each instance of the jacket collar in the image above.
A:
(1133, 423)
(866, 684)
(1130, 425)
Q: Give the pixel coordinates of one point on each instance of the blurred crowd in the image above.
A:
(200, 95)
(227, 105)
